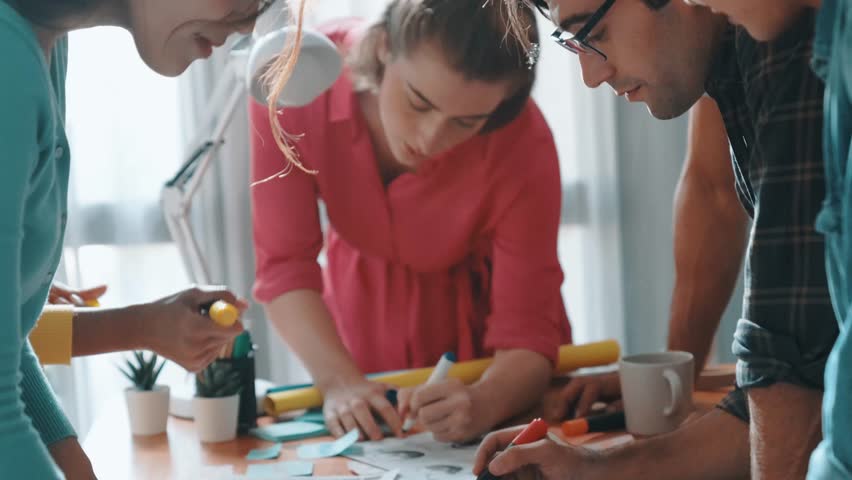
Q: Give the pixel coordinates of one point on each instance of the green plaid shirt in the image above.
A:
(771, 103)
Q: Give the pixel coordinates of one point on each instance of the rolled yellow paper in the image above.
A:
(571, 357)
(223, 313)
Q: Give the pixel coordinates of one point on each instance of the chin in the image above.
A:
(171, 68)
(670, 108)
(168, 67)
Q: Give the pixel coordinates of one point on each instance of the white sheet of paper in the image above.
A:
(419, 457)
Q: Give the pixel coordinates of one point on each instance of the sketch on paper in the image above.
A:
(419, 457)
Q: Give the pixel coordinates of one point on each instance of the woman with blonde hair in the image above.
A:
(440, 182)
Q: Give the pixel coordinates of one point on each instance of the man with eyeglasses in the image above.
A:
(765, 20)
(768, 102)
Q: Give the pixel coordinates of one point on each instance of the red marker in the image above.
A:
(535, 431)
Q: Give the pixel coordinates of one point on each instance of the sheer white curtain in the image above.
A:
(125, 133)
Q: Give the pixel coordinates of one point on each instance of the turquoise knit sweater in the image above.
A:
(33, 203)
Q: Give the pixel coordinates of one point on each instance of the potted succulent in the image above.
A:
(217, 402)
(147, 402)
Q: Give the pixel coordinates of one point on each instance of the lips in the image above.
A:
(412, 152)
(622, 93)
(206, 45)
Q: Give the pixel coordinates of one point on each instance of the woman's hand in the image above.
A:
(175, 328)
(61, 294)
(449, 409)
(350, 404)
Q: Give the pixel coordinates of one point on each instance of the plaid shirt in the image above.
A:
(771, 103)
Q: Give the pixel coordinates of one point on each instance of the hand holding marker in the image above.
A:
(221, 312)
(442, 369)
(535, 431)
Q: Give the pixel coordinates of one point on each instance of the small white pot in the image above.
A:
(216, 418)
(148, 410)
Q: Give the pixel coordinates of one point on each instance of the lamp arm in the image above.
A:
(178, 193)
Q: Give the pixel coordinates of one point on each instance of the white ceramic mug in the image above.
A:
(657, 391)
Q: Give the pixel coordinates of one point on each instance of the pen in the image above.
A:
(439, 373)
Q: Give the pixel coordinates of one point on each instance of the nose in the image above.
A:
(595, 69)
(430, 135)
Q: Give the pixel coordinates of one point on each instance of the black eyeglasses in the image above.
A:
(577, 43)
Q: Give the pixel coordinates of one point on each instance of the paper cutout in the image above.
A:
(289, 431)
(328, 449)
(270, 453)
(419, 457)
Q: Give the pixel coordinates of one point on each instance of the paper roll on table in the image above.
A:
(571, 357)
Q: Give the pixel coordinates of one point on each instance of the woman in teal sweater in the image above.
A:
(36, 440)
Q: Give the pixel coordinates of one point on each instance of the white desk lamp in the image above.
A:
(318, 67)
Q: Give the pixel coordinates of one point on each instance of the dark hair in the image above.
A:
(49, 13)
(544, 8)
(475, 36)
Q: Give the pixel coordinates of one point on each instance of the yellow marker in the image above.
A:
(92, 303)
(223, 313)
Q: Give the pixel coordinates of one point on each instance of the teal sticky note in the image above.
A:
(265, 453)
(312, 416)
(328, 449)
(289, 431)
(282, 469)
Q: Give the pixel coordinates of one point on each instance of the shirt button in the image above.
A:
(59, 152)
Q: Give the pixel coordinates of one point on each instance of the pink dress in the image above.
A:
(460, 256)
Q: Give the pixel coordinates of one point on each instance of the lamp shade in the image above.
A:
(317, 68)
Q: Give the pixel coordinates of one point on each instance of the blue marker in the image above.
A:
(442, 369)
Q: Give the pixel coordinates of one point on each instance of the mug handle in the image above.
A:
(676, 388)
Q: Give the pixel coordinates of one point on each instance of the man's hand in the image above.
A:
(577, 397)
(545, 459)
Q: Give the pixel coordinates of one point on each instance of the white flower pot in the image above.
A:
(148, 410)
(216, 418)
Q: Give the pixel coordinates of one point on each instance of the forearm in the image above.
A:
(785, 429)
(710, 235)
(708, 254)
(711, 447)
(514, 383)
(71, 459)
(105, 330)
(304, 322)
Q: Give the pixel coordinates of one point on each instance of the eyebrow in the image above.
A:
(432, 105)
(574, 19)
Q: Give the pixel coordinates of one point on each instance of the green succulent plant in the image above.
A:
(219, 379)
(143, 372)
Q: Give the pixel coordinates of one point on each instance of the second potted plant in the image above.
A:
(217, 402)
(147, 402)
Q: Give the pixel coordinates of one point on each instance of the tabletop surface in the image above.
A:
(178, 454)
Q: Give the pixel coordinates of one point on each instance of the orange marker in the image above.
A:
(597, 423)
(535, 431)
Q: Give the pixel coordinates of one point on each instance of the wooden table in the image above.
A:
(178, 454)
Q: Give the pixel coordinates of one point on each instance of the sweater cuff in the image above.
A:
(52, 335)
